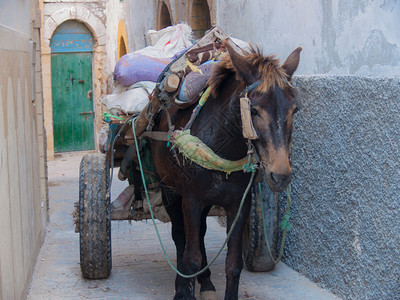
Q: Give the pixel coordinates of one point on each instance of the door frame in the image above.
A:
(73, 129)
(99, 82)
(69, 40)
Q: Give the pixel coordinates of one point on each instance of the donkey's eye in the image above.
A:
(254, 111)
(296, 110)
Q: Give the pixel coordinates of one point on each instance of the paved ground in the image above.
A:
(140, 270)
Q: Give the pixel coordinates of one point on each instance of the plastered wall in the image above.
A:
(345, 37)
(345, 193)
(23, 188)
(345, 233)
(142, 18)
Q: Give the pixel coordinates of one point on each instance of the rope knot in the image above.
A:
(250, 167)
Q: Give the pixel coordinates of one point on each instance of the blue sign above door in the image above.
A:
(71, 36)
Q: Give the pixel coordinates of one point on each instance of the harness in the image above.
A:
(196, 151)
(248, 130)
(247, 167)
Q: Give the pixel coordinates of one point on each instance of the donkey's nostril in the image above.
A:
(274, 178)
(279, 179)
(278, 182)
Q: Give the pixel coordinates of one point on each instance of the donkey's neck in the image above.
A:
(219, 124)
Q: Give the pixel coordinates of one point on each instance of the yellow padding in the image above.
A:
(195, 150)
(193, 67)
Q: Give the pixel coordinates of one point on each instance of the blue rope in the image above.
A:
(250, 87)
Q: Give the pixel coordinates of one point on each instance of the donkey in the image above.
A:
(190, 190)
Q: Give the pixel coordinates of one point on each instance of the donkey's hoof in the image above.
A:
(208, 295)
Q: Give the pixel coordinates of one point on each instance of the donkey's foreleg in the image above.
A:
(234, 260)
(207, 289)
(192, 256)
(178, 235)
(173, 205)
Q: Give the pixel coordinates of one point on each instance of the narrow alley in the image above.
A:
(140, 270)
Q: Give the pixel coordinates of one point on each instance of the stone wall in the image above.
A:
(345, 232)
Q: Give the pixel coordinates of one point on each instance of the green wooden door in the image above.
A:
(72, 101)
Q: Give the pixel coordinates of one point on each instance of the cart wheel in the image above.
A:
(94, 217)
(255, 251)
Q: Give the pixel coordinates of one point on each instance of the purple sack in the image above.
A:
(133, 67)
(194, 82)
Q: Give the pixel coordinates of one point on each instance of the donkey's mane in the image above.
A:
(268, 70)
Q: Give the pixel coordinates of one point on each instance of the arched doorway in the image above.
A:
(200, 19)
(72, 100)
(122, 40)
(165, 17)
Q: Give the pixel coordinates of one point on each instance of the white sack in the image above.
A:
(166, 42)
(130, 99)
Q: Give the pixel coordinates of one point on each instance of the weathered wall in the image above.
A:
(346, 190)
(22, 158)
(93, 14)
(141, 19)
(345, 232)
(357, 37)
(147, 15)
(115, 11)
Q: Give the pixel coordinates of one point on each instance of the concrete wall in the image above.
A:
(23, 189)
(357, 37)
(345, 232)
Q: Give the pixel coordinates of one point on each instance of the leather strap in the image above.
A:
(157, 135)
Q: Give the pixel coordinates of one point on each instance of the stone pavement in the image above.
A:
(140, 270)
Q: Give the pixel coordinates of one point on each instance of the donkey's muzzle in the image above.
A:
(279, 182)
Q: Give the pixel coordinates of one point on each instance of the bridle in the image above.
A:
(248, 129)
(249, 88)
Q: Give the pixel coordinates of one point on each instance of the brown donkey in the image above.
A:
(190, 190)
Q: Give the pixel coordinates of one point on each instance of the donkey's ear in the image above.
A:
(292, 62)
(243, 68)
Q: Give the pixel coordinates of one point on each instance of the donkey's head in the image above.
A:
(272, 105)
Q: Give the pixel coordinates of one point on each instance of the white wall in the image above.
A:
(13, 15)
(141, 19)
(356, 37)
(22, 159)
(115, 11)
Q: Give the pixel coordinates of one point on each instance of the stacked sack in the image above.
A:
(136, 73)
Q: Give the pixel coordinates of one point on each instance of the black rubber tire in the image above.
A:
(94, 217)
(255, 251)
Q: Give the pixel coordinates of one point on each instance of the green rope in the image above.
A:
(156, 228)
(284, 224)
(107, 117)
